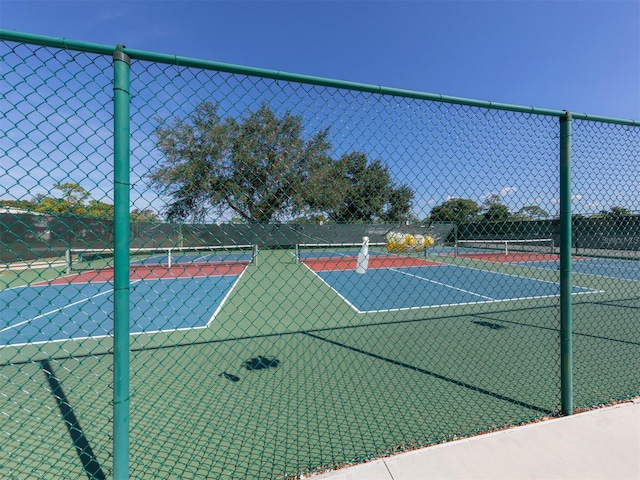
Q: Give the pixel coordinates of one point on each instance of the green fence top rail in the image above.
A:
(63, 43)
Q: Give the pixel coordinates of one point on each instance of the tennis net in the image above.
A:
(83, 259)
(309, 251)
(505, 246)
(344, 256)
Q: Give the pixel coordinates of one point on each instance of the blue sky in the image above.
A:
(582, 56)
(576, 55)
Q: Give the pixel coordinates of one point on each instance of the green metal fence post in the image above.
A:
(121, 266)
(566, 341)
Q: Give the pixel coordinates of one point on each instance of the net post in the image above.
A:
(67, 261)
(169, 258)
(297, 253)
(455, 240)
(566, 340)
(121, 150)
(254, 260)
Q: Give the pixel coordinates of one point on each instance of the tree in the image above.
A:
(398, 206)
(494, 209)
(497, 213)
(457, 210)
(98, 209)
(618, 212)
(75, 201)
(613, 212)
(262, 169)
(533, 212)
(144, 216)
(72, 193)
(57, 206)
(259, 167)
(354, 189)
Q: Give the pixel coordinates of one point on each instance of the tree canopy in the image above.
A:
(533, 212)
(497, 212)
(616, 212)
(262, 168)
(356, 190)
(464, 210)
(75, 200)
(457, 210)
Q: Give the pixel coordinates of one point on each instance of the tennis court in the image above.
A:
(397, 283)
(187, 290)
(175, 292)
(321, 332)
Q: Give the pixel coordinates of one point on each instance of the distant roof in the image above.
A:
(18, 211)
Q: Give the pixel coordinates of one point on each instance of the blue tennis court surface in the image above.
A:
(380, 290)
(75, 311)
(602, 267)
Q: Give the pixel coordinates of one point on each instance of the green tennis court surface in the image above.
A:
(283, 360)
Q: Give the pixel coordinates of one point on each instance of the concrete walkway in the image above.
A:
(598, 444)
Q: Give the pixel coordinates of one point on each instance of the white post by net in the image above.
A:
(363, 257)
(67, 260)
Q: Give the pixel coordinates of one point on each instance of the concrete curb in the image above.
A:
(603, 443)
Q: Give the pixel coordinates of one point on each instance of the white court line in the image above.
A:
(442, 284)
(344, 299)
(503, 300)
(217, 310)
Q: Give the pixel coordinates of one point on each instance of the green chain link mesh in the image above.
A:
(257, 349)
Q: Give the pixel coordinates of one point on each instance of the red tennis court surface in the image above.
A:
(349, 263)
(501, 257)
(152, 272)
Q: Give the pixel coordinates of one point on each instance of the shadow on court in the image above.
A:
(80, 442)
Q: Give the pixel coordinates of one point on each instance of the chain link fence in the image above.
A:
(217, 271)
